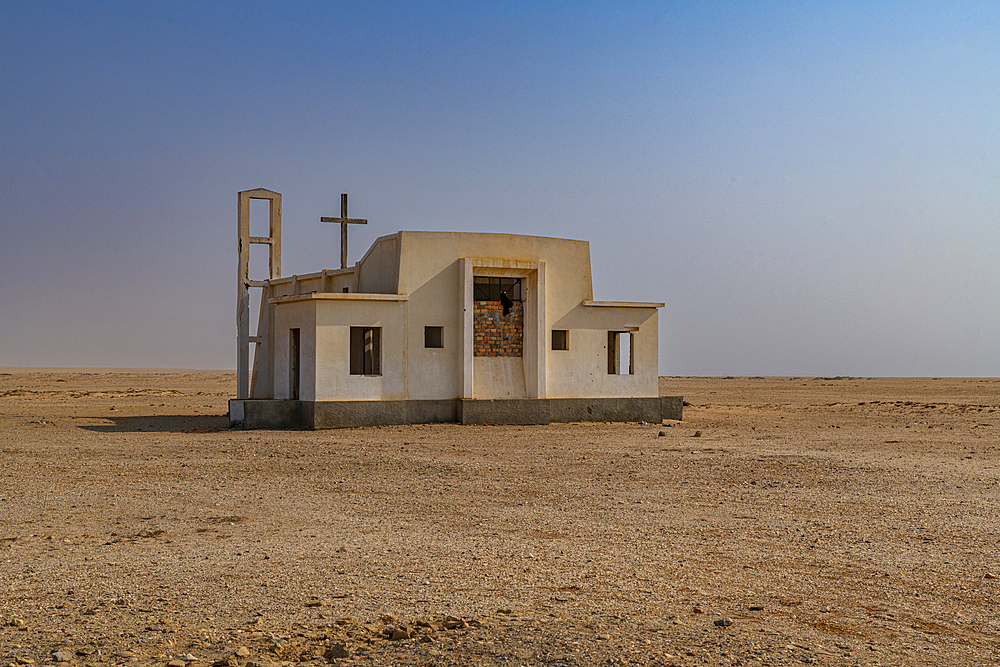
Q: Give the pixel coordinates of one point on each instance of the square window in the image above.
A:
(366, 350)
(560, 339)
(433, 336)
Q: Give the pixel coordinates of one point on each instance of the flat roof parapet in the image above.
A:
(339, 296)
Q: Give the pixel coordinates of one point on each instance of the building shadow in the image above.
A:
(162, 424)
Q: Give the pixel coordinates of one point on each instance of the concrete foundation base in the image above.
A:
(272, 414)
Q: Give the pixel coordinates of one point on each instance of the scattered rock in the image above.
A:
(242, 652)
(454, 623)
(24, 660)
(990, 575)
(662, 433)
(177, 662)
(431, 625)
(62, 656)
(337, 651)
(400, 633)
(723, 622)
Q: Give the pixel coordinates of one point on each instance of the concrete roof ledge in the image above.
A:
(339, 296)
(309, 276)
(622, 304)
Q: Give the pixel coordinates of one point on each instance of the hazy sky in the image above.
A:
(811, 187)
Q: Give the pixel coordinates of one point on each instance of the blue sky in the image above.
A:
(811, 188)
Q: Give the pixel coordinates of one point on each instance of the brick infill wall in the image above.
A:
(496, 334)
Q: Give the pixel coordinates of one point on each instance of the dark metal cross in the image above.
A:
(344, 221)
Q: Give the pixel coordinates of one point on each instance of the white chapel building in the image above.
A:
(476, 328)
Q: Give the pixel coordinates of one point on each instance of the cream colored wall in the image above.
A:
(582, 371)
(499, 377)
(336, 282)
(302, 316)
(435, 302)
(424, 254)
(377, 270)
(429, 275)
(579, 372)
(334, 320)
(328, 280)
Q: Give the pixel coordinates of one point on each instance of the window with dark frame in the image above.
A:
(487, 288)
(366, 350)
(433, 336)
(560, 339)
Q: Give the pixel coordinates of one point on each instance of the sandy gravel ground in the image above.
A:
(834, 521)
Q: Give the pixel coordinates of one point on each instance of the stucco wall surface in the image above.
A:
(377, 271)
(334, 320)
(582, 370)
(430, 270)
(301, 316)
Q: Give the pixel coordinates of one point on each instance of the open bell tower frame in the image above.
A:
(273, 241)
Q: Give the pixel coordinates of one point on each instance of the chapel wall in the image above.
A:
(334, 320)
(582, 370)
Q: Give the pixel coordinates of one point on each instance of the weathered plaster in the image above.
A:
(411, 280)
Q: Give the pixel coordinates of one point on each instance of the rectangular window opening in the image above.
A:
(620, 356)
(294, 358)
(560, 339)
(259, 266)
(260, 217)
(485, 288)
(366, 350)
(433, 336)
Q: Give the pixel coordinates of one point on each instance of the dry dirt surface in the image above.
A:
(831, 521)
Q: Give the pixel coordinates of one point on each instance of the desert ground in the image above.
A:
(831, 521)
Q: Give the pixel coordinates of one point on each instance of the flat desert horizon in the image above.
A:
(815, 520)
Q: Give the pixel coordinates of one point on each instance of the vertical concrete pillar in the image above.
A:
(539, 348)
(273, 241)
(465, 334)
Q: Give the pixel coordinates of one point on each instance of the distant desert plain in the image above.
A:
(828, 521)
